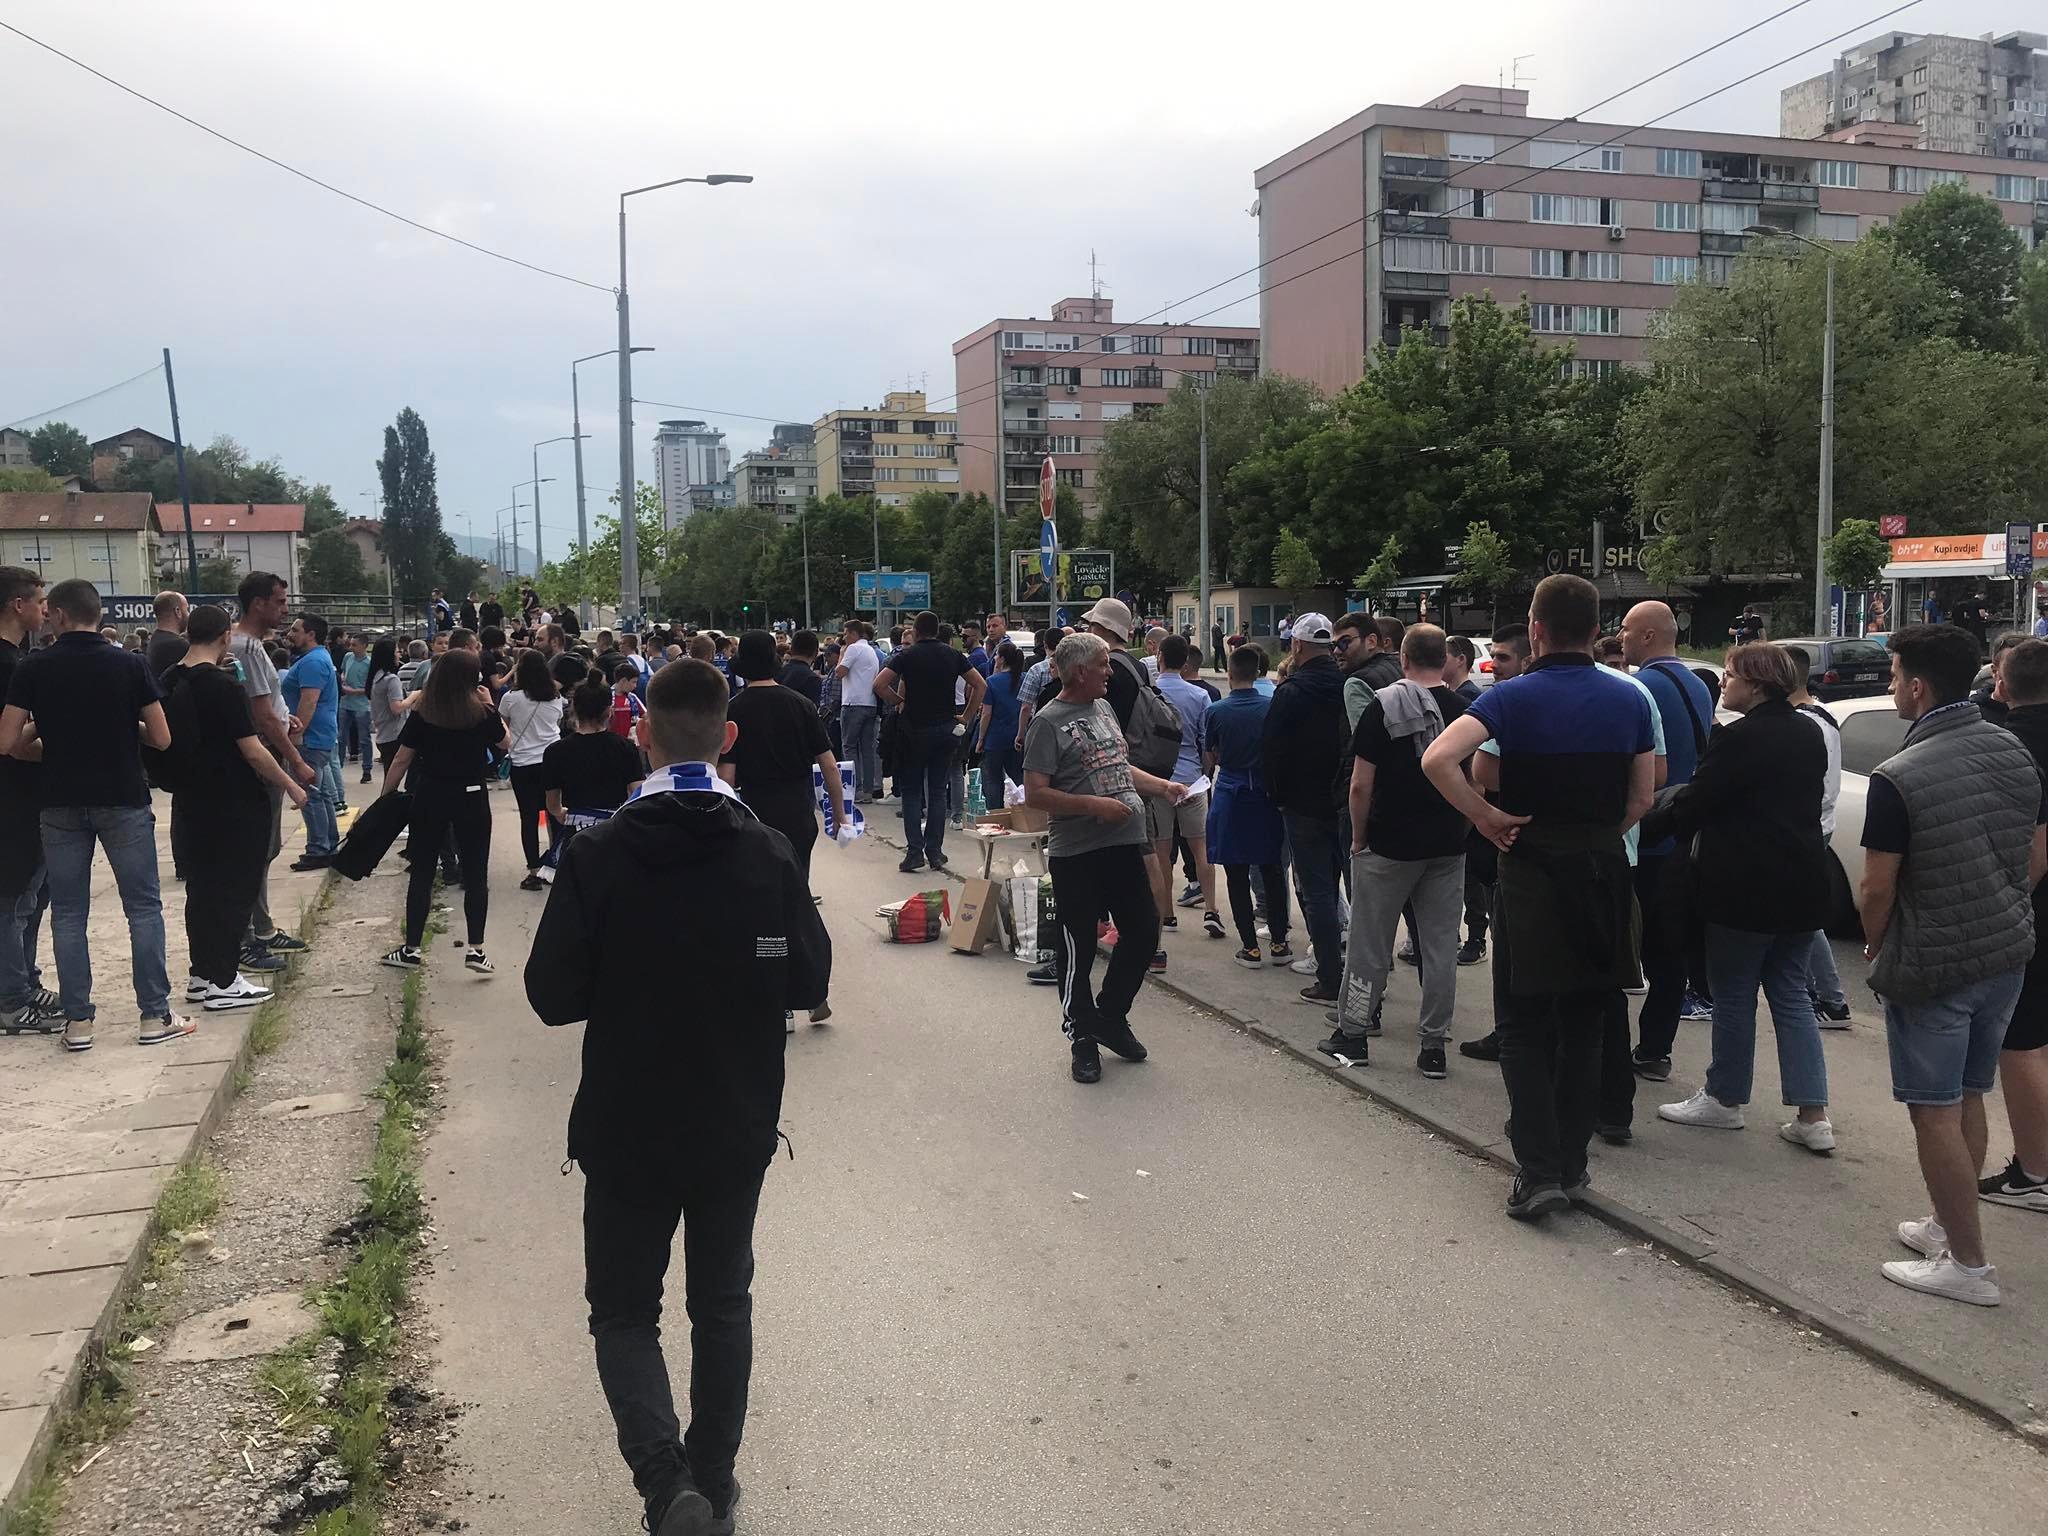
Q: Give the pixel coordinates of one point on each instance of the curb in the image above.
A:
(1702, 1257)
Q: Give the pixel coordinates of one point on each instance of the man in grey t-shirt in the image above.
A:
(263, 598)
(1077, 770)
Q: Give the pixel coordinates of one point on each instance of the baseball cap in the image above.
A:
(1314, 628)
(1113, 616)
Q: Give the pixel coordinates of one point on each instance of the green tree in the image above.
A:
(1856, 555)
(2031, 313)
(26, 478)
(332, 565)
(219, 575)
(322, 510)
(1384, 571)
(1484, 563)
(412, 507)
(1295, 567)
(61, 449)
(1962, 241)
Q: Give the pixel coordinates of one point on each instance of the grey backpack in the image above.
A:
(1153, 735)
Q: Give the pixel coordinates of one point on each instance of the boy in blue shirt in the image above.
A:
(312, 692)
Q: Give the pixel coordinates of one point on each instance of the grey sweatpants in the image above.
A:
(1380, 888)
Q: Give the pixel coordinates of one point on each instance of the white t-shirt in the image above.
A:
(857, 688)
(535, 725)
(1831, 787)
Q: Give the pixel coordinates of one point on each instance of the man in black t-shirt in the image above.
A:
(1407, 849)
(802, 671)
(591, 772)
(919, 681)
(24, 885)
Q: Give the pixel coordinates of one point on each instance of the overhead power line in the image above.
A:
(307, 176)
(20, 421)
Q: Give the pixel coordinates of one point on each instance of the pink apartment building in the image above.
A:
(1376, 225)
(1027, 388)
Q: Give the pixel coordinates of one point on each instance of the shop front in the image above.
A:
(1932, 576)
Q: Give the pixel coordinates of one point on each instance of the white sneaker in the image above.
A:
(1815, 1136)
(240, 993)
(788, 1022)
(196, 988)
(1703, 1109)
(1305, 966)
(1943, 1276)
(1926, 1235)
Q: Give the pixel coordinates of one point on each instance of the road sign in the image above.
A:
(1892, 525)
(1047, 494)
(1085, 575)
(2019, 550)
(876, 590)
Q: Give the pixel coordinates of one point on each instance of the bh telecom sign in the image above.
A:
(877, 590)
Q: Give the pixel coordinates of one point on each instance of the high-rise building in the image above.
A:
(1029, 388)
(689, 457)
(1374, 227)
(782, 476)
(893, 450)
(1967, 95)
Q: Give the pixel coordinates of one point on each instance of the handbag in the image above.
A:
(373, 833)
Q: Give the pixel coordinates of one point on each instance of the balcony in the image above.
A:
(1434, 225)
(1024, 425)
(1017, 391)
(1796, 192)
(1714, 242)
(1148, 378)
(1414, 168)
(1015, 460)
(1435, 335)
(1417, 282)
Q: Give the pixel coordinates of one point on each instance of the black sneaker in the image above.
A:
(721, 1513)
(256, 958)
(1316, 992)
(1529, 1202)
(1280, 952)
(282, 943)
(1212, 924)
(1158, 963)
(1429, 1061)
(937, 860)
(684, 1512)
(1614, 1135)
(1250, 959)
(1485, 1048)
(1043, 975)
(1472, 951)
(1651, 1069)
(1354, 1048)
(1833, 1013)
(533, 882)
(1169, 923)
(1122, 1041)
(1576, 1190)
(912, 863)
(1407, 955)
(2015, 1189)
(30, 1019)
(306, 861)
(403, 958)
(1087, 1065)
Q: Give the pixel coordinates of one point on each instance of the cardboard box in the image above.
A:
(1028, 818)
(975, 923)
(1000, 820)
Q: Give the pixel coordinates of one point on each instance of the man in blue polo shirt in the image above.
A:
(1577, 763)
(312, 692)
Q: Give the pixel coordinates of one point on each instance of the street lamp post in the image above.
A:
(577, 432)
(629, 526)
(383, 548)
(544, 442)
(1202, 393)
(1825, 521)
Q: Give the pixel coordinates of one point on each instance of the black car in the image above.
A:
(1845, 669)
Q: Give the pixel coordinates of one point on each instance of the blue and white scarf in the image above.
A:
(843, 822)
(688, 779)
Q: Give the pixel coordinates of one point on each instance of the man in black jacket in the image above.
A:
(2023, 1058)
(675, 1117)
(1305, 737)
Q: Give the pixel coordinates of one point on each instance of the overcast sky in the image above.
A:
(920, 170)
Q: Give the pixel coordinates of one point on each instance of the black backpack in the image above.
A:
(176, 766)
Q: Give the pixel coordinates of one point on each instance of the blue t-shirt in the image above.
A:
(1234, 728)
(1005, 699)
(1193, 704)
(315, 669)
(1569, 732)
(978, 658)
(355, 671)
(1675, 686)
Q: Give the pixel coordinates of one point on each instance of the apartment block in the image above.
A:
(782, 476)
(1967, 95)
(14, 452)
(891, 451)
(1028, 388)
(1373, 227)
(690, 462)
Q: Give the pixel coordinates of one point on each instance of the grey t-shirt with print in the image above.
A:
(1080, 749)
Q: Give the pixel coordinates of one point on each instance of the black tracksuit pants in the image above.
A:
(223, 847)
(1087, 887)
(463, 813)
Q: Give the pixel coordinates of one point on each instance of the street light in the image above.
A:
(629, 523)
(536, 492)
(1826, 520)
(517, 485)
(383, 549)
(576, 430)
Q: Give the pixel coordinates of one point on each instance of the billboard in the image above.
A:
(894, 589)
(1085, 575)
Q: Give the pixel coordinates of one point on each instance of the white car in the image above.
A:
(1871, 732)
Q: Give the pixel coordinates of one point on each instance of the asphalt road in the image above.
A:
(1278, 1309)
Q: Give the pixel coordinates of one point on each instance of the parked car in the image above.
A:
(1871, 732)
(1844, 669)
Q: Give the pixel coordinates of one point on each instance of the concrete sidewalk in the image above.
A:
(86, 1143)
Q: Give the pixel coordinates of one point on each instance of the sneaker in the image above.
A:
(1375, 1023)
(1925, 1236)
(78, 1034)
(912, 863)
(1212, 924)
(282, 943)
(171, 1026)
(1190, 895)
(1317, 994)
(1703, 1109)
(239, 993)
(937, 860)
(255, 957)
(29, 1019)
(1280, 952)
(2015, 1189)
(1087, 1063)
(1576, 1190)
(1043, 975)
(1169, 924)
(821, 1014)
(1123, 1042)
(404, 958)
(1529, 1202)
(1250, 959)
(686, 1512)
(307, 861)
(721, 1514)
(1342, 1047)
(1407, 956)
(1696, 1009)
(1651, 1069)
(478, 961)
(533, 882)
(195, 989)
(1815, 1135)
(1429, 1061)
(1305, 966)
(1472, 951)
(1943, 1276)
(1831, 1015)
(1614, 1135)
(1485, 1048)
(1158, 965)
(788, 1021)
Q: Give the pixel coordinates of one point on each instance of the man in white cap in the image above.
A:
(1110, 621)
(1305, 737)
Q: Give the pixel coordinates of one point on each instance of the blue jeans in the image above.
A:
(1737, 963)
(927, 773)
(355, 737)
(1822, 979)
(1945, 1047)
(21, 920)
(128, 834)
(861, 729)
(1318, 863)
(1002, 763)
(321, 833)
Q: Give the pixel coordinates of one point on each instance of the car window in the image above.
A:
(1858, 653)
(1869, 737)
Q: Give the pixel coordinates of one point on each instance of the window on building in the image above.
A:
(1012, 340)
(1472, 258)
(1077, 478)
(1589, 368)
(1115, 410)
(1674, 269)
(1729, 218)
(1198, 346)
(1919, 178)
(1063, 410)
(1062, 442)
(1146, 346)
(1716, 269)
(1407, 253)
(1473, 203)
(1835, 226)
(2013, 189)
(1575, 319)
(1550, 263)
(1063, 376)
(1920, 76)
(1115, 378)
(1838, 173)
(1470, 146)
(1678, 216)
(1110, 343)
(1154, 378)
(1678, 162)
(1600, 266)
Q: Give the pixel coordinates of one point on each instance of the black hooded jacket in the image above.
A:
(682, 1045)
